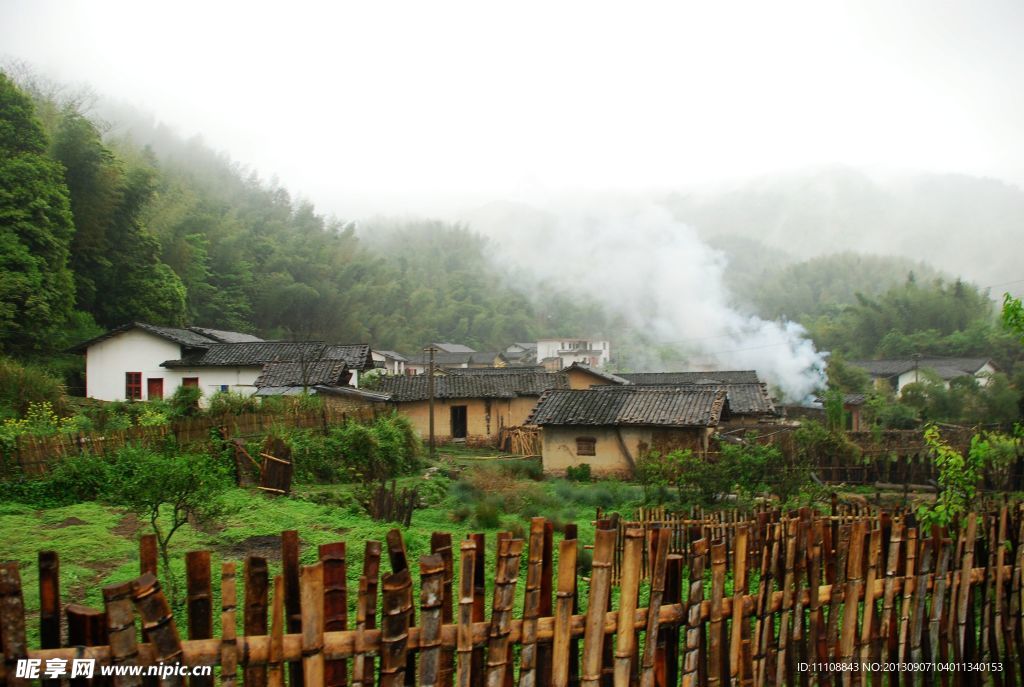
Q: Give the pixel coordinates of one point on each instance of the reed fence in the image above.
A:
(784, 601)
(33, 454)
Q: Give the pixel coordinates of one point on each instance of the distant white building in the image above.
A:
(897, 373)
(391, 362)
(559, 353)
(141, 362)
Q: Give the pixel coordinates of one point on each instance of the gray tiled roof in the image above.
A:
(457, 358)
(693, 406)
(224, 336)
(329, 372)
(258, 353)
(183, 337)
(510, 385)
(693, 377)
(608, 376)
(744, 399)
(946, 368)
(513, 369)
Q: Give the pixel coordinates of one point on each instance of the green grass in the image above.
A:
(98, 545)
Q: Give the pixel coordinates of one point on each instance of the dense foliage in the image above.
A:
(110, 225)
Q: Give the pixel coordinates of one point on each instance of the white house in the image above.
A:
(897, 373)
(140, 361)
(391, 362)
(559, 353)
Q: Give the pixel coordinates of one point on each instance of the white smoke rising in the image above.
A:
(658, 275)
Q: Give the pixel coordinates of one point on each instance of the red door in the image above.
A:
(154, 388)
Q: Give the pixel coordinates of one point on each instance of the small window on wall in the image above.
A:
(586, 446)
(133, 385)
(190, 381)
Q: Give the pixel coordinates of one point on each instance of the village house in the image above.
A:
(611, 428)
(896, 373)
(521, 353)
(419, 363)
(583, 376)
(140, 361)
(470, 406)
(555, 354)
(391, 362)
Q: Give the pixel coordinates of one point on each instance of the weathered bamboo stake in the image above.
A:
(762, 624)
(670, 635)
(658, 568)
(292, 602)
(1016, 638)
(397, 593)
(889, 594)
(593, 638)
(788, 594)
(798, 652)
(531, 605)
(507, 572)
(359, 674)
(431, 601)
(908, 577)
(86, 628)
(158, 623)
(869, 625)
(335, 611)
(371, 571)
(117, 598)
(311, 590)
(441, 544)
(964, 591)
(625, 645)
(479, 671)
(694, 630)
(918, 604)
(400, 561)
(939, 604)
(546, 610)
(275, 669)
(836, 602)
(49, 602)
(815, 631)
(717, 666)
(563, 612)
(464, 650)
(737, 674)
(147, 554)
(228, 625)
(986, 607)
(999, 626)
(254, 614)
(200, 603)
(854, 583)
(570, 531)
(951, 648)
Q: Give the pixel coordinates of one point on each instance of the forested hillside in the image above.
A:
(140, 225)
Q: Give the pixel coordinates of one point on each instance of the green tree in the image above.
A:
(36, 285)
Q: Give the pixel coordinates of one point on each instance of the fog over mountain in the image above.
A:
(639, 156)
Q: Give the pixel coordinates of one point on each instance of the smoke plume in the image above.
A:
(659, 277)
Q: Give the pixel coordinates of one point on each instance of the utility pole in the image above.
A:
(430, 394)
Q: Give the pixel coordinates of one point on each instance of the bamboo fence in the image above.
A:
(788, 599)
(33, 454)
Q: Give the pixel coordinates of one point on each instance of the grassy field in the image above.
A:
(98, 545)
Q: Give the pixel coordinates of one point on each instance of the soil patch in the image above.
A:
(266, 545)
(128, 527)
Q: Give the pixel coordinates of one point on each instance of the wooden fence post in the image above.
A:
(312, 603)
(254, 614)
(431, 601)
(158, 624)
(625, 636)
(200, 603)
(464, 634)
(441, 544)
(335, 611)
(600, 579)
(292, 602)
(228, 622)
(397, 592)
(561, 643)
(117, 598)
(49, 604)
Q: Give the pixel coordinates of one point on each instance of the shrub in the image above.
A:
(232, 403)
(578, 473)
(22, 385)
(184, 402)
(487, 513)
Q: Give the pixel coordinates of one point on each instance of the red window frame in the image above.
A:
(133, 386)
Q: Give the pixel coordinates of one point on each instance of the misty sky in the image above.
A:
(367, 106)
